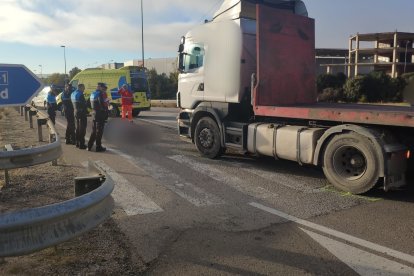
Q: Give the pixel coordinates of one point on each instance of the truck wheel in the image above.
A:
(207, 138)
(351, 164)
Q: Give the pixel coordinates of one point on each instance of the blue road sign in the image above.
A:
(18, 85)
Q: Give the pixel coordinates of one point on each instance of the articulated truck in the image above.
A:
(247, 82)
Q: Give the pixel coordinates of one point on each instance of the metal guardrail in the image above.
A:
(33, 156)
(30, 230)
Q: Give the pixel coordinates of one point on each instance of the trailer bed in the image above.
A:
(344, 113)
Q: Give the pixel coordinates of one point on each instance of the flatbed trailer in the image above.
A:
(367, 114)
(267, 103)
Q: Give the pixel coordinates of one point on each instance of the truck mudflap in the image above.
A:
(396, 165)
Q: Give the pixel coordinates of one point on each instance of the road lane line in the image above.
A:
(159, 123)
(369, 245)
(286, 181)
(362, 262)
(218, 175)
(172, 181)
(127, 196)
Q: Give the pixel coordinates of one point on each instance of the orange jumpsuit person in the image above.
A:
(126, 101)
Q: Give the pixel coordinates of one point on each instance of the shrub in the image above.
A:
(330, 81)
(353, 89)
(331, 95)
(373, 88)
(397, 87)
(408, 76)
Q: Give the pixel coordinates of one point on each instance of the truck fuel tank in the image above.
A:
(295, 143)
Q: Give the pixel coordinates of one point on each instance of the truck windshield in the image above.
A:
(194, 57)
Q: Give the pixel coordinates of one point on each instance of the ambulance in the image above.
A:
(135, 77)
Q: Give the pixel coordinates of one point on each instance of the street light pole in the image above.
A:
(64, 56)
(142, 33)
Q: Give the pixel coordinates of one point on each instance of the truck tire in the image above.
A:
(351, 163)
(207, 138)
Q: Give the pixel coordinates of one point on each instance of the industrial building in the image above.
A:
(162, 65)
(391, 53)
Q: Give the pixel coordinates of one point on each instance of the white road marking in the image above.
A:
(218, 175)
(127, 196)
(284, 180)
(163, 123)
(369, 245)
(60, 124)
(172, 181)
(361, 261)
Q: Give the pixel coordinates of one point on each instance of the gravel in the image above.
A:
(103, 251)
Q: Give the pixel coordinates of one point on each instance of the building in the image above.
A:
(114, 65)
(391, 53)
(162, 65)
(325, 58)
(334, 61)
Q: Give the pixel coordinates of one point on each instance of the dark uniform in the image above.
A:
(79, 104)
(69, 114)
(51, 105)
(100, 115)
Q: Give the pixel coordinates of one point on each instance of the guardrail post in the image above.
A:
(22, 110)
(26, 109)
(86, 184)
(52, 138)
(40, 123)
(6, 178)
(6, 171)
(31, 114)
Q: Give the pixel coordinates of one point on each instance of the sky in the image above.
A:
(97, 32)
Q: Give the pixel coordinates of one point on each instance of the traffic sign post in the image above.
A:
(18, 85)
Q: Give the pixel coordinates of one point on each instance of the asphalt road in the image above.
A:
(185, 214)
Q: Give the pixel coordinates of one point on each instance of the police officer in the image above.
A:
(51, 103)
(69, 114)
(100, 115)
(79, 104)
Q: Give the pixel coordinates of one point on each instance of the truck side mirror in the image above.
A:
(181, 62)
(181, 48)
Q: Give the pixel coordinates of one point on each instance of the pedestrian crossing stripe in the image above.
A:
(127, 196)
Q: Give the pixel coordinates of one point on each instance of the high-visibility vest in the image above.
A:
(126, 96)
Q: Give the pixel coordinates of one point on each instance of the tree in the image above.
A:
(73, 72)
(161, 85)
(330, 81)
(374, 87)
(152, 80)
(56, 79)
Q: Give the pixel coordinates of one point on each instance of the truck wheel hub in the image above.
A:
(349, 163)
(206, 138)
(357, 161)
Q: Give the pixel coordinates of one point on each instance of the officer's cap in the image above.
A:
(102, 84)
